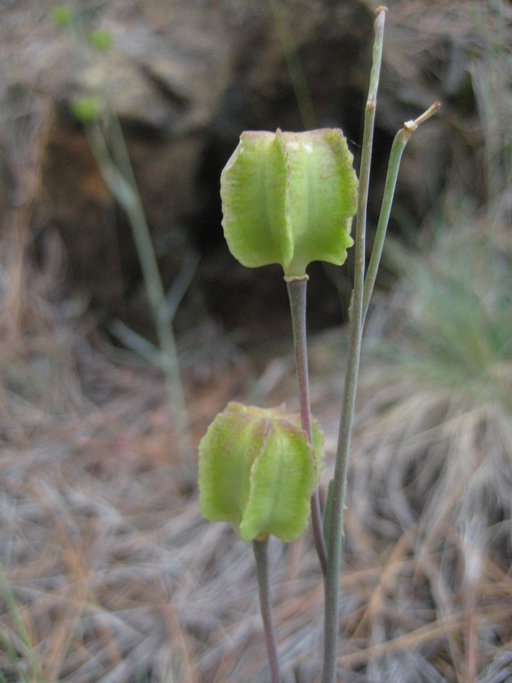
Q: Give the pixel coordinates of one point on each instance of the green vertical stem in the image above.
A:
(335, 539)
(297, 289)
(260, 549)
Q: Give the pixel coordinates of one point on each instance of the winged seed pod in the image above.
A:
(257, 471)
(289, 198)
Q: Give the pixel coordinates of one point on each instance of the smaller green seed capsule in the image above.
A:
(257, 471)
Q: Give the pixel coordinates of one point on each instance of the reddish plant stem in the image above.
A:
(297, 289)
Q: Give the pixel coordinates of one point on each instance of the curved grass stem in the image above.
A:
(260, 549)
(114, 164)
(297, 289)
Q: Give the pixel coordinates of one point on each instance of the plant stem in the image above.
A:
(118, 174)
(395, 156)
(260, 549)
(335, 540)
(297, 289)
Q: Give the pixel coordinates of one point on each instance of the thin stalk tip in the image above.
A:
(410, 126)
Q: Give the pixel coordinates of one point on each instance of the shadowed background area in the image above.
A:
(109, 573)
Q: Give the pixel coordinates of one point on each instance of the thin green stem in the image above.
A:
(260, 549)
(297, 290)
(395, 156)
(335, 540)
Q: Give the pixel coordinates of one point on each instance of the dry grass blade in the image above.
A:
(436, 435)
(121, 580)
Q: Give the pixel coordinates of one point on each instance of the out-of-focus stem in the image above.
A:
(261, 557)
(297, 289)
(335, 538)
(118, 174)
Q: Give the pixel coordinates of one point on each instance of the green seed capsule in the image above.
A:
(289, 198)
(257, 471)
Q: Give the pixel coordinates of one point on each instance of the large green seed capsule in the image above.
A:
(289, 198)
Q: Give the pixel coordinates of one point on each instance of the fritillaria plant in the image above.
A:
(289, 198)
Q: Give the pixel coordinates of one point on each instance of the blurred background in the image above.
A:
(126, 325)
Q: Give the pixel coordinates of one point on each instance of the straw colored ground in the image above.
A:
(109, 572)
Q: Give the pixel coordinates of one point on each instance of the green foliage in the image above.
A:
(63, 16)
(100, 40)
(22, 638)
(289, 198)
(457, 327)
(257, 471)
(87, 108)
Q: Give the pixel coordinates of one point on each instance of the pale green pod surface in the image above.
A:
(322, 197)
(289, 198)
(257, 471)
(253, 193)
(226, 454)
(282, 481)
